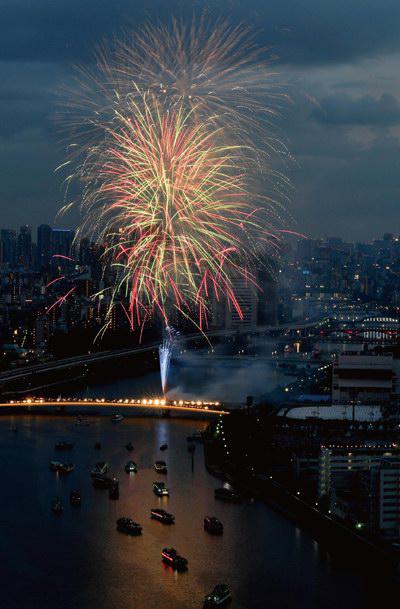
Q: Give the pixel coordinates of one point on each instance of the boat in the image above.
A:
(219, 597)
(117, 418)
(56, 505)
(97, 445)
(160, 467)
(55, 465)
(80, 422)
(66, 468)
(171, 557)
(113, 491)
(131, 467)
(104, 482)
(162, 516)
(75, 498)
(163, 446)
(226, 494)
(195, 437)
(160, 489)
(100, 469)
(129, 526)
(63, 445)
(129, 446)
(213, 525)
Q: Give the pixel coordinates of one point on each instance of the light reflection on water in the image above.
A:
(78, 560)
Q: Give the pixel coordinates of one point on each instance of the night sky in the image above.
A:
(339, 60)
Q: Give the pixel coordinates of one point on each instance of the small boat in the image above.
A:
(117, 418)
(195, 437)
(129, 446)
(171, 557)
(56, 505)
(113, 491)
(163, 446)
(80, 422)
(213, 525)
(66, 468)
(131, 467)
(129, 526)
(160, 467)
(100, 469)
(226, 494)
(75, 498)
(219, 597)
(160, 489)
(162, 516)
(63, 445)
(97, 445)
(55, 465)
(103, 482)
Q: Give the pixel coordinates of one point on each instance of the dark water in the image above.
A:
(79, 561)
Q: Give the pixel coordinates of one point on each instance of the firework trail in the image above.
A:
(171, 170)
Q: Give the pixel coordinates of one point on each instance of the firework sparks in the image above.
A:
(170, 184)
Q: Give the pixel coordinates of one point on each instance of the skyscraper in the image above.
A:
(24, 249)
(61, 242)
(8, 246)
(43, 245)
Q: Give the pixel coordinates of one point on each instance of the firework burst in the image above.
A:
(170, 168)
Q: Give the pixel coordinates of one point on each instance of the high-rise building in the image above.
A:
(24, 249)
(43, 245)
(61, 242)
(8, 246)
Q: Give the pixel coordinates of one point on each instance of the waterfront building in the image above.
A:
(363, 377)
(371, 499)
(337, 461)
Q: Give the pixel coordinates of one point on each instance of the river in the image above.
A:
(79, 561)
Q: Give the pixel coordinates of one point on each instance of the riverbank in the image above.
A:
(333, 535)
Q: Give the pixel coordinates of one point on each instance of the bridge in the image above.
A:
(101, 356)
(130, 404)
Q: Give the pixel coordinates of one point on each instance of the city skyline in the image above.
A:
(338, 63)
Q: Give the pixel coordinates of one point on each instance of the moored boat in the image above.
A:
(75, 498)
(160, 467)
(171, 557)
(117, 418)
(100, 468)
(213, 525)
(56, 505)
(103, 482)
(162, 516)
(160, 489)
(226, 494)
(131, 467)
(219, 597)
(163, 446)
(64, 445)
(129, 526)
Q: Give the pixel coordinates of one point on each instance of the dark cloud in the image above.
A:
(345, 110)
(310, 31)
(342, 125)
